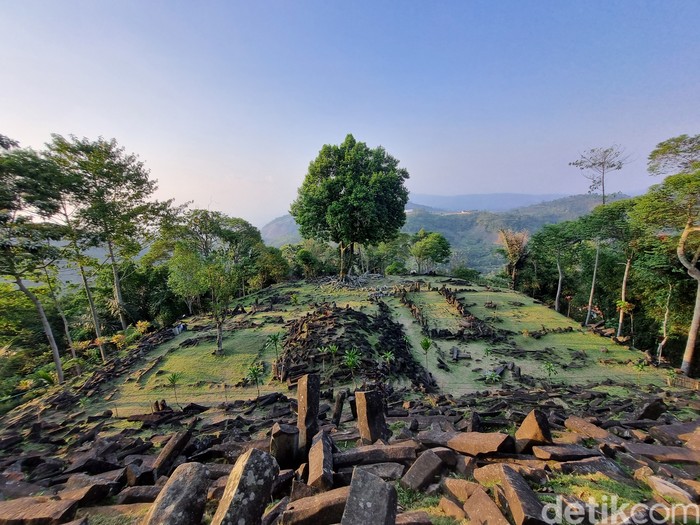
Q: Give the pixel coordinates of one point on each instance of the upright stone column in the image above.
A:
(308, 392)
(284, 444)
(370, 417)
(371, 500)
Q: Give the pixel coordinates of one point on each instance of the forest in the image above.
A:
(85, 208)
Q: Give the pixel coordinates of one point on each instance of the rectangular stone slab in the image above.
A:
(481, 510)
(563, 452)
(374, 454)
(327, 507)
(39, 511)
(371, 500)
(663, 453)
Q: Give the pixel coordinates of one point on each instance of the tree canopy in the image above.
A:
(351, 194)
(675, 155)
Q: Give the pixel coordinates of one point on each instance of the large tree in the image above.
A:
(673, 209)
(351, 194)
(111, 198)
(29, 184)
(675, 155)
(213, 256)
(556, 242)
(429, 249)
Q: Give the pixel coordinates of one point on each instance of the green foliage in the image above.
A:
(387, 357)
(492, 377)
(173, 380)
(351, 194)
(396, 268)
(410, 499)
(273, 340)
(45, 377)
(425, 345)
(429, 249)
(599, 487)
(215, 258)
(351, 360)
(550, 369)
(333, 350)
(463, 272)
(676, 155)
(255, 374)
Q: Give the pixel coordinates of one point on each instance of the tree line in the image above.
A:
(88, 206)
(631, 265)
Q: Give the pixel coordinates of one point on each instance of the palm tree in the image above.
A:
(274, 341)
(425, 344)
(352, 361)
(323, 351)
(173, 380)
(255, 373)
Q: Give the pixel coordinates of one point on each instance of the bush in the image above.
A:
(396, 268)
(468, 274)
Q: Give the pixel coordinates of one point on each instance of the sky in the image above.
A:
(227, 102)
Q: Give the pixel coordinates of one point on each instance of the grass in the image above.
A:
(410, 499)
(599, 488)
(204, 375)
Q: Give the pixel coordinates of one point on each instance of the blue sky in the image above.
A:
(228, 102)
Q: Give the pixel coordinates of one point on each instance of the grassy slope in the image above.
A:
(209, 379)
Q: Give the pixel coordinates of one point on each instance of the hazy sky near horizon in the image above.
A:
(227, 102)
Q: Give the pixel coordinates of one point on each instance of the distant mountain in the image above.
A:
(473, 233)
(283, 230)
(483, 202)
(280, 231)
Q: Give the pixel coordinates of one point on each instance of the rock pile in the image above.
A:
(215, 463)
(348, 328)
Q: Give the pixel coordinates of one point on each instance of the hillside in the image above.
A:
(493, 327)
(473, 233)
(169, 422)
(483, 202)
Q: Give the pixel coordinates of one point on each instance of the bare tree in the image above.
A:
(596, 163)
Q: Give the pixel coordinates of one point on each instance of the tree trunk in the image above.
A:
(667, 314)
(691, 267)
(45, 324)
(117, 286)
(689, 352)
(346, 251)
(220, 337)
(93, 313)
(593, 281)
(59, 309)
(559, 285)
(623, 295)
(341, 249)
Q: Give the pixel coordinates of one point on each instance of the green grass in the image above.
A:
(598, 487)
(414, 500)
(204, 375)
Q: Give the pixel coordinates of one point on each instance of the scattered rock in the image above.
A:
(182, 498)
(371, 500)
